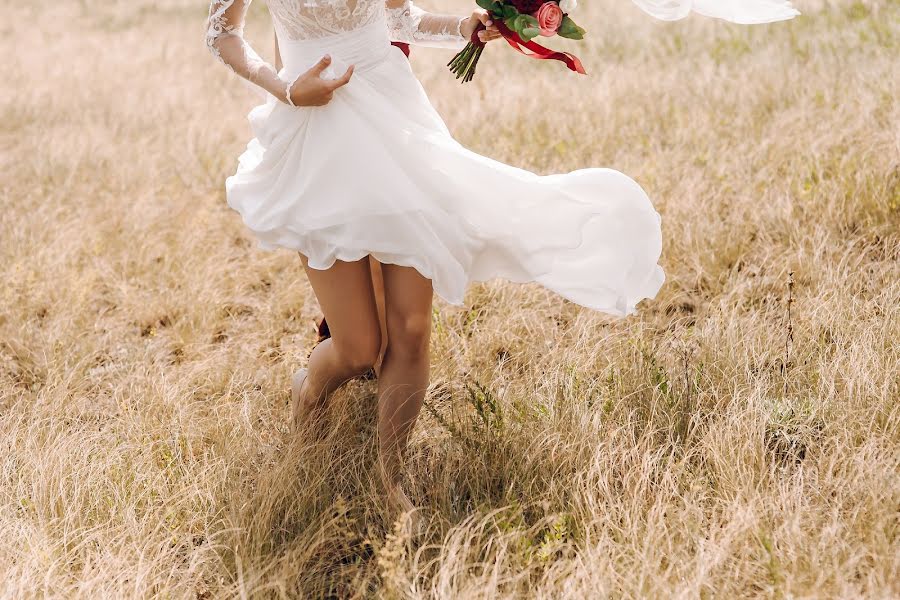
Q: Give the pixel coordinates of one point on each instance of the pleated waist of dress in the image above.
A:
(364, 47)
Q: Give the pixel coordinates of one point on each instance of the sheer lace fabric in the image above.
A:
(225, 38)
(409, 23)
(312, 19)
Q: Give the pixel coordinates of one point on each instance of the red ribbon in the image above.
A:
(535, 50)
(403, 46)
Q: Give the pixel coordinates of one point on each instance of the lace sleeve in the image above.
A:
(737, 11)
(409, 23)
(225, 40)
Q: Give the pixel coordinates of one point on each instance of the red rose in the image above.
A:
(549, 17)
(527, 7)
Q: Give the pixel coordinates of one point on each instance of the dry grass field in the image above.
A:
(713, 446)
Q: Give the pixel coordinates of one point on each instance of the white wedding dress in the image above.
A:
(376, 172)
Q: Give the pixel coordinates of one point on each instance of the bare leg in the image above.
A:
(378, 289)
(403, 380)
(344, 292)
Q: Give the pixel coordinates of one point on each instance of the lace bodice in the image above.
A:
(305, 19)
(311, 19)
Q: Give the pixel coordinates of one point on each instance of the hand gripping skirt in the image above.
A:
(376, 172)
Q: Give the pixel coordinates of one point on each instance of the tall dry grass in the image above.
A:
(693, 451)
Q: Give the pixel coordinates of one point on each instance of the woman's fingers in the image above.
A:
(488, 31)
(343, 79)
(491, 33)
(317, 69)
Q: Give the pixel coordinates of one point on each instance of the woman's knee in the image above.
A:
(360, 350)
(408, 335)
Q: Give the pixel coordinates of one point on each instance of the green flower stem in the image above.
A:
(463, 64)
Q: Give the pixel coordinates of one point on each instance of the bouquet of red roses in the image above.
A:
(519, 22)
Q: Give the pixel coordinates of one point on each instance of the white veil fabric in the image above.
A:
(745, 12)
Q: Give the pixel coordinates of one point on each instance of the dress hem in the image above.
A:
(345, 255)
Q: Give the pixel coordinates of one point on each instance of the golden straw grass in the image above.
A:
(692, 451)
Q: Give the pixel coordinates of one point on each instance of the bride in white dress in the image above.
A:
(349, 160)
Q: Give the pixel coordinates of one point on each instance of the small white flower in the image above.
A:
(568, 6)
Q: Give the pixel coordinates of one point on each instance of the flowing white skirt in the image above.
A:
(376, 172)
